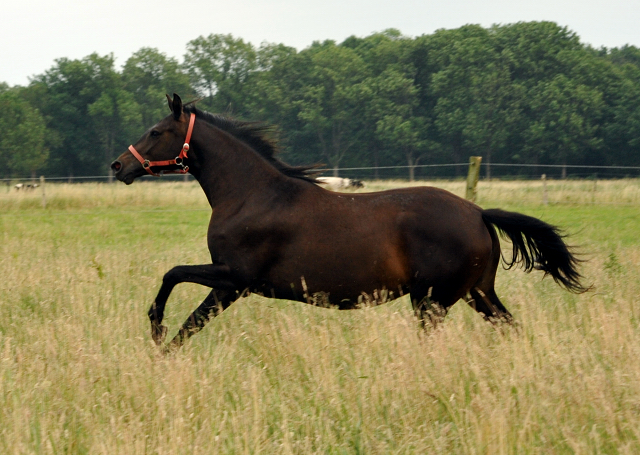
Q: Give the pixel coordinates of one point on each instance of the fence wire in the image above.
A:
(422, 171)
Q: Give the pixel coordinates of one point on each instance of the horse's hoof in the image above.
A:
(158, 333)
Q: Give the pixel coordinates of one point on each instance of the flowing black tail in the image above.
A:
(537, 245)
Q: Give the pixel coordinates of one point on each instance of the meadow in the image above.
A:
(79, 373)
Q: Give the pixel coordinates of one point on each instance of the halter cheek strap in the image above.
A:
(177, 161)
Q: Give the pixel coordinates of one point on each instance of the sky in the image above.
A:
(35, 33)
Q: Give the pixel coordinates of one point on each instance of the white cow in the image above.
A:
(339, 183)
(27, 187)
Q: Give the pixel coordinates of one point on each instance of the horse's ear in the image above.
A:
(169, 102)
(177, 107)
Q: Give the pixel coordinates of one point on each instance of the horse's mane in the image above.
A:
(257, 135)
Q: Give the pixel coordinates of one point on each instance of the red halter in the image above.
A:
(178, 160)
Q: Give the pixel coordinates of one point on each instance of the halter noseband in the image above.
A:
(177, 161)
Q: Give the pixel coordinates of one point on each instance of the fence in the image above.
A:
(541, 190)
(503, 171)
(498, 170)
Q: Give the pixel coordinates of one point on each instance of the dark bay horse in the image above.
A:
(274, 231)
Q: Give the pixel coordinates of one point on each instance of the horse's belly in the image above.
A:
(344, 277)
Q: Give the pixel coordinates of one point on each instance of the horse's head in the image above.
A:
(162, 148)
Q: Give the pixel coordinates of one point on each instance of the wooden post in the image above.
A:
(472, 177)
(44, 198)
(545, 199)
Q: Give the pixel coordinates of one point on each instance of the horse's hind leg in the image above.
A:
(489, 305)
(484, 298)
(429, 306)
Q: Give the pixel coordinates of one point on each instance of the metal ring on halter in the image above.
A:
(178, 161)
(146, 164)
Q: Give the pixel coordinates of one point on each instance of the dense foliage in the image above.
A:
(526, 93)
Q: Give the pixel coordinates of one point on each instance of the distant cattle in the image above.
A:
(339, 183)
(26, 187)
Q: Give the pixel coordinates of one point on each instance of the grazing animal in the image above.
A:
(274, 231)
(27, 187)
(340, 183)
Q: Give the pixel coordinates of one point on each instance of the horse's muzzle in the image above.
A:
(116, 166)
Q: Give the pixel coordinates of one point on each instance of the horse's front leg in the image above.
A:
(215, 276)
(216, 302)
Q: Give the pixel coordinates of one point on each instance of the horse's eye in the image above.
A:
(155, 133)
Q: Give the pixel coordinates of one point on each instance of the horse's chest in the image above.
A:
(247, 249)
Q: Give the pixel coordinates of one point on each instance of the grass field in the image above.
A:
(79, 372)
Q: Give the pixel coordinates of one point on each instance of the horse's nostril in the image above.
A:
(116, 165)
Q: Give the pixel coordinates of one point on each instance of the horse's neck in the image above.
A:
(228, 169)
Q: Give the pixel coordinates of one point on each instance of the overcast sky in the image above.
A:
(36, 32)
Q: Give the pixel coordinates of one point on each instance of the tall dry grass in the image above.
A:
(145, 194)
(514, 192)
(79, 373)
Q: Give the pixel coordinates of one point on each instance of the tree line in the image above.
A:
(528, 93)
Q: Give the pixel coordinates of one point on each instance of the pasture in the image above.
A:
(80, 374)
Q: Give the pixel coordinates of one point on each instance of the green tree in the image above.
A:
(495, 111)
(115, 115)
(332, 100)
(621, 95)
(22, 142)
(561, 129)
(264, 92)
(561, 106)
(149, 74)
(397, 127)
(278, 90)
(537, 51)
(476, 98)
(392, 131)
(381, 50)
(219, 66)
(88, 137)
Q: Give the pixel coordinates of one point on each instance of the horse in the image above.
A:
(274, 231)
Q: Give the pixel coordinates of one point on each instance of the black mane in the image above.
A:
(258, 136)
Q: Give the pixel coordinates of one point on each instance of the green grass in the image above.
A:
(80, 374)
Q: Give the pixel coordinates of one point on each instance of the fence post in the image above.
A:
(472, 177)
(545, 199)
(44, 198)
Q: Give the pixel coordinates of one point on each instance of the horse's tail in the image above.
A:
(537, 245)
